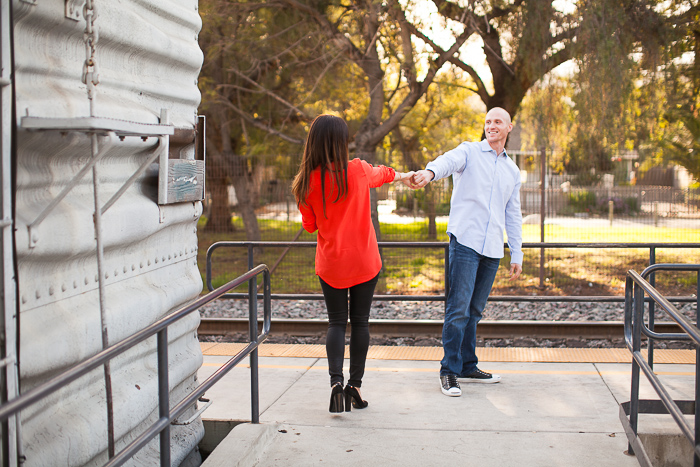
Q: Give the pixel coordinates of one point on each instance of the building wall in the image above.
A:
(148, 60)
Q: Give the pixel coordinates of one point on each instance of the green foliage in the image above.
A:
(587, 201)
(632, 204)
(405, 202)
(546, 118)
(583, 201)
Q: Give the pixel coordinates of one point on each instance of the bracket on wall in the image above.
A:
(113, 129)
(74, 8)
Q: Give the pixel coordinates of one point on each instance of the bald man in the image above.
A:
(485, 202)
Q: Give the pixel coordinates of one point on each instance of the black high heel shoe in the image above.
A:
(336, 399)
(353, 395)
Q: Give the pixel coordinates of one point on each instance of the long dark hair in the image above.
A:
(326, 147)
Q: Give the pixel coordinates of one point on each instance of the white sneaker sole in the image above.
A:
(494, 379)
(452, 392)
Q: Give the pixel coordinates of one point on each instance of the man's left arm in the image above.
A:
(514, 230)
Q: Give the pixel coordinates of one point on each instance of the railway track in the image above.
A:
(433, 328)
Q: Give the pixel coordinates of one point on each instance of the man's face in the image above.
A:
(497, 126)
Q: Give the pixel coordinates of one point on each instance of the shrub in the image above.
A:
(632, 203)
(583, 201)
(619, 206)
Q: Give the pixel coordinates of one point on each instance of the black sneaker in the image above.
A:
(478, 376)
(450, 386)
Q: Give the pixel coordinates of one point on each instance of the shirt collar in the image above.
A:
(486, 147)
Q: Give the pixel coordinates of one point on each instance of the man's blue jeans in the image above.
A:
(471, 276)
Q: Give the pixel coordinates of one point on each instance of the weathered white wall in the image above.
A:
(149, 60)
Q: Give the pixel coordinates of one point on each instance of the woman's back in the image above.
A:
(347, 252)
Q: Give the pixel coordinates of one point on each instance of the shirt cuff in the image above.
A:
(516, 257)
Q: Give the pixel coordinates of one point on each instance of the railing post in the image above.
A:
(543, 176)
(652, 308)
(163, 395)
(97, 219)
(208, 271)
(636, 348)
(253, 335)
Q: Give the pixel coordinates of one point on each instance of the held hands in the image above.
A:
(421, 178)
(405, 178)
(414, 180)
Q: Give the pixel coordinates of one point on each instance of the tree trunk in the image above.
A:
(246, 208)
(367, 152)
(219, 219)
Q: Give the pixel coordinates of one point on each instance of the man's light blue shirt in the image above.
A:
(485, 199)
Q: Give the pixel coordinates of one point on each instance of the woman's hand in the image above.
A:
(404, 177)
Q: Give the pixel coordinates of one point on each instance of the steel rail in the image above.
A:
(445, 244)
(492, 298)
(404, 328)
(250, 247)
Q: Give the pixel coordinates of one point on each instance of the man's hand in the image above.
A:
(515, 270)
(421, 178)
(405, 178)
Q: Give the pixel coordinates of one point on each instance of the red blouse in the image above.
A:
(347, 253)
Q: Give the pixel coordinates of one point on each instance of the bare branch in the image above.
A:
(492, 37)
(331, 30)
(481, 88)
(261, 125)
(556, 59)
(271, 94)
(455, 12)
(410, 100)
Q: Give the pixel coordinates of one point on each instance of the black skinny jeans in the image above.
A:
(337, 306)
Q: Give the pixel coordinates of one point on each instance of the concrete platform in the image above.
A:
(540, 414)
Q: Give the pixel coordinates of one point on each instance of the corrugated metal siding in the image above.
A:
(148, 60)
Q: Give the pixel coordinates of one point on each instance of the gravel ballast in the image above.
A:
(542, 311)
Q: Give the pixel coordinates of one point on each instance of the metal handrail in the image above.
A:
(160, 327)
(250, 245)
(635, 287)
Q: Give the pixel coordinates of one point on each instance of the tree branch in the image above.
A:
(261, 125)
(457, 13)
(556, 59)
(410, 100)
(329, 29)
(480, 87)
(266, 91)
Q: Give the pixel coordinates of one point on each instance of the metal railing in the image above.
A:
(635, 287)
(166, 415)
(251, 246)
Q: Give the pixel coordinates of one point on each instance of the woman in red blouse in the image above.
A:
(333, 197)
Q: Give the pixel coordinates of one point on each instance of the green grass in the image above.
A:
(568, 271)
(561, 234)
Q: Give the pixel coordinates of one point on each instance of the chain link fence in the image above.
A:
(601, 212)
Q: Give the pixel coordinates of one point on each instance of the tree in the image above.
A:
(681, 143)
(398, 60)
(440, 121)
(286, 61)
(610, 34)
(546, 117)
(255, 58)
